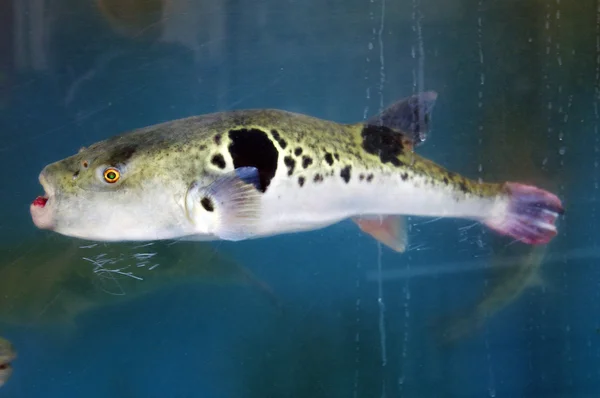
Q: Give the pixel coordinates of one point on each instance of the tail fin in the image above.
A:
(530, 215)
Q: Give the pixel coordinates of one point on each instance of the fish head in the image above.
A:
(115, 190)
(7, 355)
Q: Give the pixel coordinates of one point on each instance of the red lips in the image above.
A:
(40, 201)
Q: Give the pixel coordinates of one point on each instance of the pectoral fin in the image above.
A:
(231, 204)
(389, 230)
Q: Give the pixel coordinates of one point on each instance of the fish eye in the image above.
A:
(111, 175)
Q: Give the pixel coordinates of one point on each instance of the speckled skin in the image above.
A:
(324, 172)
(7, 355)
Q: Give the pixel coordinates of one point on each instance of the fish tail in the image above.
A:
(530, 214)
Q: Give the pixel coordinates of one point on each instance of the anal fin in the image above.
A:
(389, 230)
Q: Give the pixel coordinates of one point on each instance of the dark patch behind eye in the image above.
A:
(121, 155)
(253, 148)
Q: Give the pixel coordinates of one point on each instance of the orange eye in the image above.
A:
(111, 175)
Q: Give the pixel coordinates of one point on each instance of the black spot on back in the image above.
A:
(463, 187)
(290, 163)
(361, 176)
(301, 181)
(306, 161)
(345, 173)
(329, 159)
(253, 148)
(383, 142)
(298, 151)
(404, 176)
(218, 139)
(318, 178)
(397, 162)
(370, 178)
(121, 155)
(219, 161)
(207, 204)
(336, 156)
(278, 138)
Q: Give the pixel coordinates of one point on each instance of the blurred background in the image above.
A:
(328, 313)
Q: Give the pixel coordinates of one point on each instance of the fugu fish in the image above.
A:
(7, 355)
(246, 174)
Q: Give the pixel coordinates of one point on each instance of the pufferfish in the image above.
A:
(247, 174)
(7, 355)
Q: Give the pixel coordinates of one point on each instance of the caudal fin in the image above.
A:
(530, 216)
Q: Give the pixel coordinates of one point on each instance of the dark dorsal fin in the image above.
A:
(409, 115)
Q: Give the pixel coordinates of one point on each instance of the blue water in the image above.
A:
(70, 79)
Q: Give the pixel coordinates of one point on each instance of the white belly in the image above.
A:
(287, 207)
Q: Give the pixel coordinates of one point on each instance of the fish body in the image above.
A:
(256, 173)
(7, 355)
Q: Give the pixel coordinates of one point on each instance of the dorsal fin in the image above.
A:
(409, 115)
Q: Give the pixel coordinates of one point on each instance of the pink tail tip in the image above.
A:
(530, 216)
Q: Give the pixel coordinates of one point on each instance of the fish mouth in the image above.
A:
(41, 201)
(41, 214)
(5, 372)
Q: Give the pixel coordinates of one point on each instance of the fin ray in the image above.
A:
(234, 199)
(409, 115)
(389, 230)
(530, 216)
